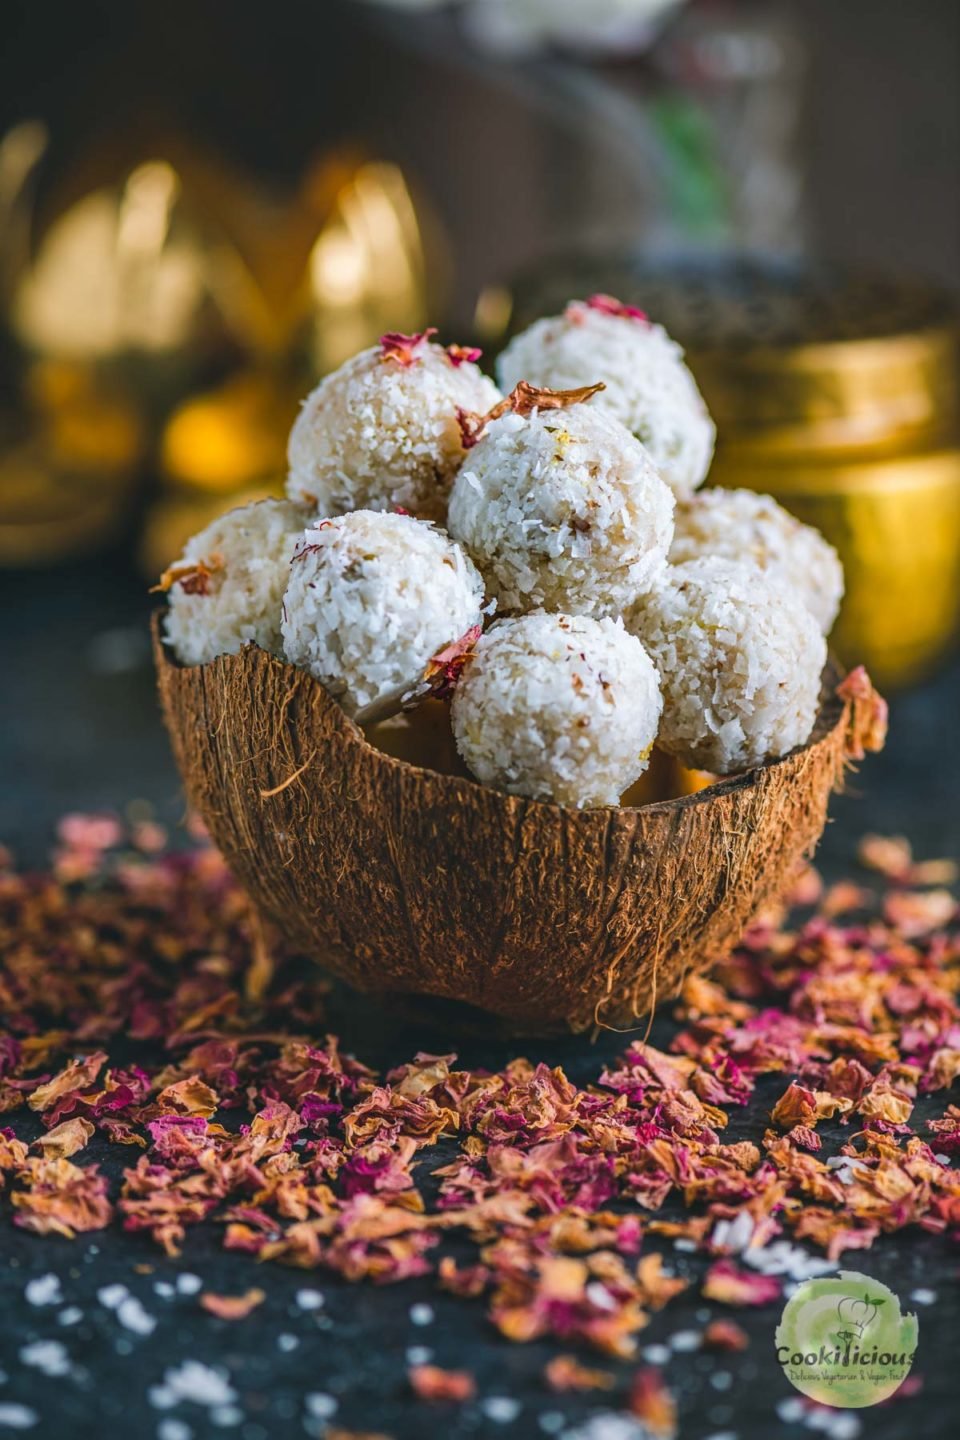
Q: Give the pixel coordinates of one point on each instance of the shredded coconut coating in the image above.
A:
(562, 510)
(558, 707)
(648, 386)
(740, 660)
(371, 599)
(742, 525)
(379, 435)
(247, 554)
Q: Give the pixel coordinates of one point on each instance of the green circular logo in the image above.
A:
(842, 1340)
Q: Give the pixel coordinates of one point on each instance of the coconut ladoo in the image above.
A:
(647, 385)
(382, 433)
(740, 659)
(227, 588)
(371, 600)
(560, 507)
(743, 525)
(558, 707)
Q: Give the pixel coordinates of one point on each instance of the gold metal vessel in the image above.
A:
(896, 522)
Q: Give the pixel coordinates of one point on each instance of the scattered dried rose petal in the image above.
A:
(253, 1127)
(190, 1096)
(869, 718)
(803, 1107)
(232, 1307)
(565, 1372)
(429, 1382)
(730, 1285)
(66, 1139)
(402, 349)
(75, 1076)
(725, 1335)
(653, 1404)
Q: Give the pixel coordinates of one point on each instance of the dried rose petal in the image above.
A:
(800, 1106)
(609, 305)
(869, 714)
(653, 1404)
(725, 1335)
(76, 1076)
(193, 576)
(402, 349)
(190, 1096)
(463, 355)
(565, 1373)
(524, 399)
(232, 1307)
(730, 1285)
(66, 1139)
(429, 1382)
(445, 668)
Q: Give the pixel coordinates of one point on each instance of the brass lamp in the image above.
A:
(164, 315)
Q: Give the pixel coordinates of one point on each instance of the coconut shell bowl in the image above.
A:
(407, 882)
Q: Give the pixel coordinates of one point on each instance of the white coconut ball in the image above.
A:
(227, 588)
(740, 659)
(558, 707)
(562, 510)
(371, 599)
(648, 386)
(742, 525)
(382, 431)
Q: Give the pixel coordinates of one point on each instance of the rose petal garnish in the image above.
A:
(193, 576)
(463, 355)
(610, 305)
(402, 349)
(445, 668)
(524, 399)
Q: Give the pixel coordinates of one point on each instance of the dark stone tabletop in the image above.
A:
(80, 730)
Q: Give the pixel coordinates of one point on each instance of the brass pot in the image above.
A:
(896, 522)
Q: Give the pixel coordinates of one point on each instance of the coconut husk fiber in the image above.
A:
(408, 882)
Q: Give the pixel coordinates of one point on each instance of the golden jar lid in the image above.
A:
(792, 360)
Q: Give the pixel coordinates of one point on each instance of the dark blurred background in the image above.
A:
(205, 207)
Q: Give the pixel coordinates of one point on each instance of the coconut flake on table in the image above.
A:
(743, 525)
(648, 387)
(558, 707)
(372, 598)
(227, 588)
(562, 509)
(740, 660)
(382, 432)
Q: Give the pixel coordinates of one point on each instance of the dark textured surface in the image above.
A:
(79, 728)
